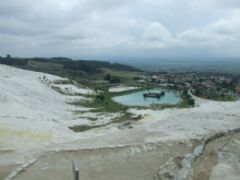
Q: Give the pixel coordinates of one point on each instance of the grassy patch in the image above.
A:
(83, 128)
(219, 98)
(103, 102)
(125, 117)
(126, 76)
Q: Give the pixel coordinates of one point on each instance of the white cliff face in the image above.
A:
(30, 110)
(228, 166)
(34, 115)
(121, 88)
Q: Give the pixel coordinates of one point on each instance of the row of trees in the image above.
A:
(112, 79)
(8, 56)
(188, 98)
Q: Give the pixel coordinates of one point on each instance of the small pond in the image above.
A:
(171, 97)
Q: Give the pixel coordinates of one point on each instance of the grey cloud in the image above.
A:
(95, 28)
(222, 37)
(213, 4)
(156, 32)
(194, 35)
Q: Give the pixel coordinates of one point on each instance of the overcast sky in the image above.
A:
(120, 29)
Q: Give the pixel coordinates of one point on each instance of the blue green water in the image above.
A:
(136, 99)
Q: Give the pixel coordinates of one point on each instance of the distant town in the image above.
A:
(214, 86)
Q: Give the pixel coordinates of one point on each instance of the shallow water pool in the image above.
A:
(136, 99)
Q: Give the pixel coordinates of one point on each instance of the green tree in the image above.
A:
(8, 56)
